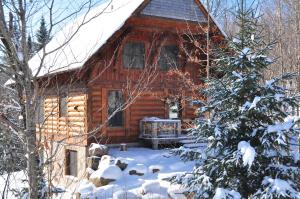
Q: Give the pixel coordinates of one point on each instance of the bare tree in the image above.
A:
(17, 20)
(281, 24)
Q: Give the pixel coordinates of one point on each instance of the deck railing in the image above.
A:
(160, 128)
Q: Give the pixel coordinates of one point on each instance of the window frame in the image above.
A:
(122, 54)
(62, 97)
(69, 164)
(122, 111)
(178, 64)
(178, 104)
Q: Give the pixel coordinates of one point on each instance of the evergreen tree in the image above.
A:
(250, 128)
(42, 35)
(30, 46)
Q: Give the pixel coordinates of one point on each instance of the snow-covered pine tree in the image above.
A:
(42, 35)
(250, 128)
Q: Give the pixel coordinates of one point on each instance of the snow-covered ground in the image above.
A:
(10, 185)
(149, 185)
(144, 160)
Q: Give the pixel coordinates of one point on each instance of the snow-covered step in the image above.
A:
(190, 141)
(194, 145)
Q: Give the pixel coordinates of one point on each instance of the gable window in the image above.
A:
(134, 55)
(168, 57)
(71, 163)
(115, 102)
(63, 105)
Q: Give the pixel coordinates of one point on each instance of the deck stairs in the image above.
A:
(191, 143)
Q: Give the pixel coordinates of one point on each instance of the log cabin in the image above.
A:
(135, 59)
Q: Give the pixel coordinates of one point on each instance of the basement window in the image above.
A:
(63, 105)
(168, 57)
(71, 163)
(134, 55)
(115, 103)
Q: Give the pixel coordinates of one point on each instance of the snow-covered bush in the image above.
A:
(249, 129)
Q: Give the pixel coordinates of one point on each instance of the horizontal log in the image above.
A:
(76, 129)
(76, 97)
(76, 109)
(76, 114)
(78, 103)
(148, 103)
(147, 109)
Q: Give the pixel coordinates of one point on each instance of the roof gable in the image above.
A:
(175, 9)
(70, 48)
(67, 51)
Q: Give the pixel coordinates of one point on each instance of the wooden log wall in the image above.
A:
(71, 128)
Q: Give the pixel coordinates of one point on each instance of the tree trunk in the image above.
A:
(32, 150)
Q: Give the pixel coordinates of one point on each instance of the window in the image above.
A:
(168, 57)
(134, 55)
(175, 110)
(115, 102)
(63, 105)
(41, 113)
(71, 163)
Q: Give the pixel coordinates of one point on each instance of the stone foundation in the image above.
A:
(56, 171)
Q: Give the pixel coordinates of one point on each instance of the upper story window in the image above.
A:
(63, 105)
(168, 57)
(134, 55)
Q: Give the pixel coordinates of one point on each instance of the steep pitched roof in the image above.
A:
(101, 23)
(179, 9)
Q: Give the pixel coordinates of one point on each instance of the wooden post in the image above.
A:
(123, 147)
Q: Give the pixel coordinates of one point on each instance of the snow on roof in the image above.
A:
(100, 24)
(70, 48)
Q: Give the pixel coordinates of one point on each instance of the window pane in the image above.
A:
(40, 113)
(134, 55)
(174, 110)
(168, 57)
(63, 106)
(115, 102)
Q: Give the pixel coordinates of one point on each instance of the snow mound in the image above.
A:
(98, 150)
(154, 196)
(105, 161)
(153, 186)
(124, 195)
(86, 189)
(176, 191)
(109, 172)
(222, 193)
(248, 153)
(106, 191)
